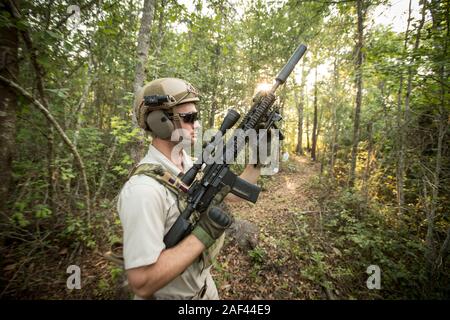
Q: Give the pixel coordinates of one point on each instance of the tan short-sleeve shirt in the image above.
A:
(147, 210)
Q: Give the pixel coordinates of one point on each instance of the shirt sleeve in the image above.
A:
(142, 213)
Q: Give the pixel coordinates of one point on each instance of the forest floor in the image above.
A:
(285, 264)
(294, 259)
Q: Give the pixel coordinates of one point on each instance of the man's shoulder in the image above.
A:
(142, 179)
(141, 183)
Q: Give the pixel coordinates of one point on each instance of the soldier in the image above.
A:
(148, 207)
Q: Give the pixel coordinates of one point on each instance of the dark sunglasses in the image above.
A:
(188, 117)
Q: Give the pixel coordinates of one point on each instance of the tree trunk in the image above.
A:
(212, 111)
(401, 128)
(435, 186)
(334, 107)
(105, 171)
(82, 103)
(314, 132)
(300, 108)
(137, 149)
(220, 10)
(359, 80)
(319, 127)
(299, 104)
(160, 36)
(308, 146)
(368, 160)
(51, 172)
(8, 106)
(214, 104)
(384, 97)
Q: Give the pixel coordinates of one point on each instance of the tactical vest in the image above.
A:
(174, 185)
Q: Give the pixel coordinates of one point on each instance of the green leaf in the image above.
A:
(43, 212)
(54, 35)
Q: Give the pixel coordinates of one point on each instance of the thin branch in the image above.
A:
(53, 121)
(105, 170)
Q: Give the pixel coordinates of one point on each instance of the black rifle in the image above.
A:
(218, 174)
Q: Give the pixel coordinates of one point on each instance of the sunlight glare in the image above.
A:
(263, 87)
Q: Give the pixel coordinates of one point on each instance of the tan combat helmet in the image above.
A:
(158, 96)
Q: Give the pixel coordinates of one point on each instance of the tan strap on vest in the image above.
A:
(158, 172)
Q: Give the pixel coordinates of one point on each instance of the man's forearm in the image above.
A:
(250, 174)
(171, 263)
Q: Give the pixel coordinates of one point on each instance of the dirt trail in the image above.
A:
(286, 214)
